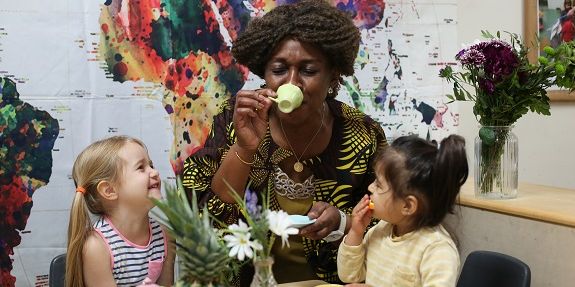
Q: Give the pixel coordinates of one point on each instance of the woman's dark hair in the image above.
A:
(414, 166)
(311, 21)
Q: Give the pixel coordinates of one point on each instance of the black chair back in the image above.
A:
(492, 269)
(57, 271)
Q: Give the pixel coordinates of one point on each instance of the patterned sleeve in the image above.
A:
(378, 139)
(200, 167)
(378, 142)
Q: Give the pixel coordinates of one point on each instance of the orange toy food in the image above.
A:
(371, 205)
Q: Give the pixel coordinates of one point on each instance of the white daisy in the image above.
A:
(279, 223)
(239, 241)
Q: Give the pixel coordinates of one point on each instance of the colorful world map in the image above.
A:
(159, 70)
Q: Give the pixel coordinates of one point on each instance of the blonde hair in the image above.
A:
(98, 162)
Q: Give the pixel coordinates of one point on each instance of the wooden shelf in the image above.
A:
(538, 202)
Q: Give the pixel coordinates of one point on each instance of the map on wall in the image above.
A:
(158, 70)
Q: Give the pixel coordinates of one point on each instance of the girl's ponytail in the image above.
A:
(79, 229)
(450, 172)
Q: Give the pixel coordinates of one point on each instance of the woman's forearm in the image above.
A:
(234, 170)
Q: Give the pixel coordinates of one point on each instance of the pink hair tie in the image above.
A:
(80, 190)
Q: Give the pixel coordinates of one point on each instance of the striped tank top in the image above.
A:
(132, 263)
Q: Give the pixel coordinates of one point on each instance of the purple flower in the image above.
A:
(497, 58)
(252, 204)
(472, 57)
(487, 85)
(500, 59)
(459, 54)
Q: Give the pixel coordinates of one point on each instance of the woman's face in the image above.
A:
(305, 66)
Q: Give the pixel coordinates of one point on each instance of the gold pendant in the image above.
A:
(298, 166)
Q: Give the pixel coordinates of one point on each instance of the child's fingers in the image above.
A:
(361, 219)
(357, 208)
(362, 213)
(363, 202)
(365, 198)
(369, 213)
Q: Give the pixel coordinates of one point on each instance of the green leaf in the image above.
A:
(446, 72)
(458, 93)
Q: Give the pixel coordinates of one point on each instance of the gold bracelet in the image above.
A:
(243, 161)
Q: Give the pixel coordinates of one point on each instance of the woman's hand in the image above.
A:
(251, 117)
(328, 219)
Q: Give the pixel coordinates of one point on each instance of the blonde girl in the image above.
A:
(114, 180)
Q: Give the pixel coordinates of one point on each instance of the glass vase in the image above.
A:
(263, 276)
(496, 163)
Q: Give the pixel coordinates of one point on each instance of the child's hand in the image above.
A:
(360, 219)
(361, 215)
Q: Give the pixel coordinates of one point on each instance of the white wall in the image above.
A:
(546, 144)
(547, 156)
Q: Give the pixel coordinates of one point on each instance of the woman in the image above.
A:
(316, 160)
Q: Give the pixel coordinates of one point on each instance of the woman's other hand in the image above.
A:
(251, 117)
(328, 219)
(250, 120)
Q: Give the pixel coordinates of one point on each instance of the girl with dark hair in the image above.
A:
(416, 186)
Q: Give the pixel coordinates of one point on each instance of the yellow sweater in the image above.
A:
(425, 257)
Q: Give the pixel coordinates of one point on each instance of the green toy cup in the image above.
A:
(289, 98)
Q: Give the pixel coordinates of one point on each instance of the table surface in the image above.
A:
(310, 283)
(538, 202)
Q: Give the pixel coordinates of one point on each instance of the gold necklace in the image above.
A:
(298, 166)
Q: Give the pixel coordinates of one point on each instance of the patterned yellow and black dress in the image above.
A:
(342, 172)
